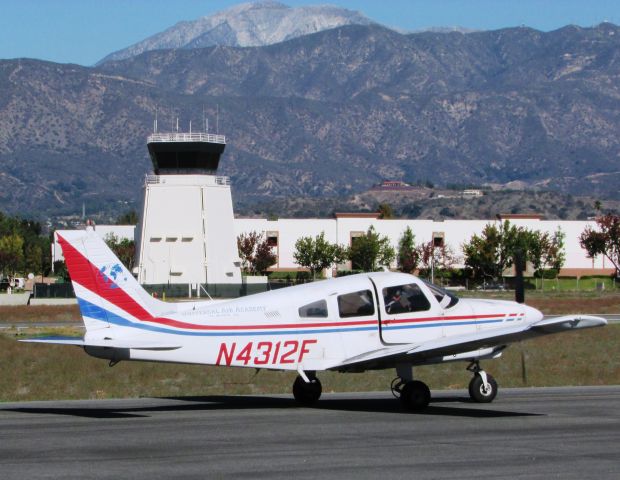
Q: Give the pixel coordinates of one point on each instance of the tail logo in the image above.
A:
(113, 275)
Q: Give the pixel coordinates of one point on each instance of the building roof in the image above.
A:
(357, 215)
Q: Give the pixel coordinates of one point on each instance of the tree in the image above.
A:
(35, 253)
(61, 272)
(489, 254)
(385, 211)
(435, 261)
(484, 253)
(496, 249)
(33, 257)
(546, 252)
(255, 253)
(597, 205)
(124, 249)
(370, 251)
(128, 218)
(605, 241)
(408, 256)
(318, 254)
(11, 253)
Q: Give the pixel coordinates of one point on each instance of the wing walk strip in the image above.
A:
(89, 277)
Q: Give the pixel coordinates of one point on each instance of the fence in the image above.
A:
(53, 290)
(230, 290)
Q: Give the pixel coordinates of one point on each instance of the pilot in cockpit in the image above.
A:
(396, 303)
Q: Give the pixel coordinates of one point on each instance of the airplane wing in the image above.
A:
(427, 352)
(121, 344)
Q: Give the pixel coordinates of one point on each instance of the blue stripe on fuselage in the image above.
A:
(98, 313)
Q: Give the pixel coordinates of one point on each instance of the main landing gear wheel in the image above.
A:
(415, 395)
(481, 393)
(307, 393)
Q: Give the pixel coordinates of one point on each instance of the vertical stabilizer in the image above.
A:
(106, 291)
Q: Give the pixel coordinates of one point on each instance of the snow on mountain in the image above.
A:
(246, 25)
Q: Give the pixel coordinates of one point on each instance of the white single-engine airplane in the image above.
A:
(350, 324)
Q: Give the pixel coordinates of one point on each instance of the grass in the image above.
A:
(573, 284)
(39, 313)
(37, 372)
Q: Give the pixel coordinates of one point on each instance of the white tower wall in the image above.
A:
(186, 232)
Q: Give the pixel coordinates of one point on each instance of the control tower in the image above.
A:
(186, 233)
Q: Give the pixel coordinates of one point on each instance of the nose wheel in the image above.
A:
(482, 387)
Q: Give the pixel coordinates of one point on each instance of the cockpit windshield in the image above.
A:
(445, 298)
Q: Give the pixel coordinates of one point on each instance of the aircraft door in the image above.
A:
(408, 314)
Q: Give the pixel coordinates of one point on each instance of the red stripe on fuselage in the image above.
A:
(193, 326)
(439, 319)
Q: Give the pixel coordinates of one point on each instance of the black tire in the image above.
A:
(415, 395)
(478, 393)
(307, 393)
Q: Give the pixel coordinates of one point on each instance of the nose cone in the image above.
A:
(532, 315)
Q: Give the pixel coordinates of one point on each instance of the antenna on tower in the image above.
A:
(204, 119)
(155, 122)
(177, 124)
(190, 126)
(217, 119)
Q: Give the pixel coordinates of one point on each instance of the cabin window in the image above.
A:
(405, 298)
(356, 304)
(316, 309)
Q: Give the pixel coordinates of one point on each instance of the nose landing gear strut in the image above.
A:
(482, 387)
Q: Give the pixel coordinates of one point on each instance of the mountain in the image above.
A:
(326, 114)
(246, 25)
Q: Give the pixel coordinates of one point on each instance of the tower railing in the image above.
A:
(150, 179)
(186, 137)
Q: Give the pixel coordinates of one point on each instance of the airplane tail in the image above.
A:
(107, 293)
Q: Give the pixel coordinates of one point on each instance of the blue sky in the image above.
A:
(84, 31)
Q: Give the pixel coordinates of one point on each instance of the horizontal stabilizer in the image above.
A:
(109, 343)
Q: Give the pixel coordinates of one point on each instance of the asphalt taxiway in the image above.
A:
(534, 433)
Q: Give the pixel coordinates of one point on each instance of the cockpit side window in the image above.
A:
(316, 309)
(405, 298)
(356, 304)
(445, 298)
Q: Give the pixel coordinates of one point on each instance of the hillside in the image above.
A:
(436, 204)
(323, 115)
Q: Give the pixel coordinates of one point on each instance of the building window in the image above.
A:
(438, 239)
(272, 239)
